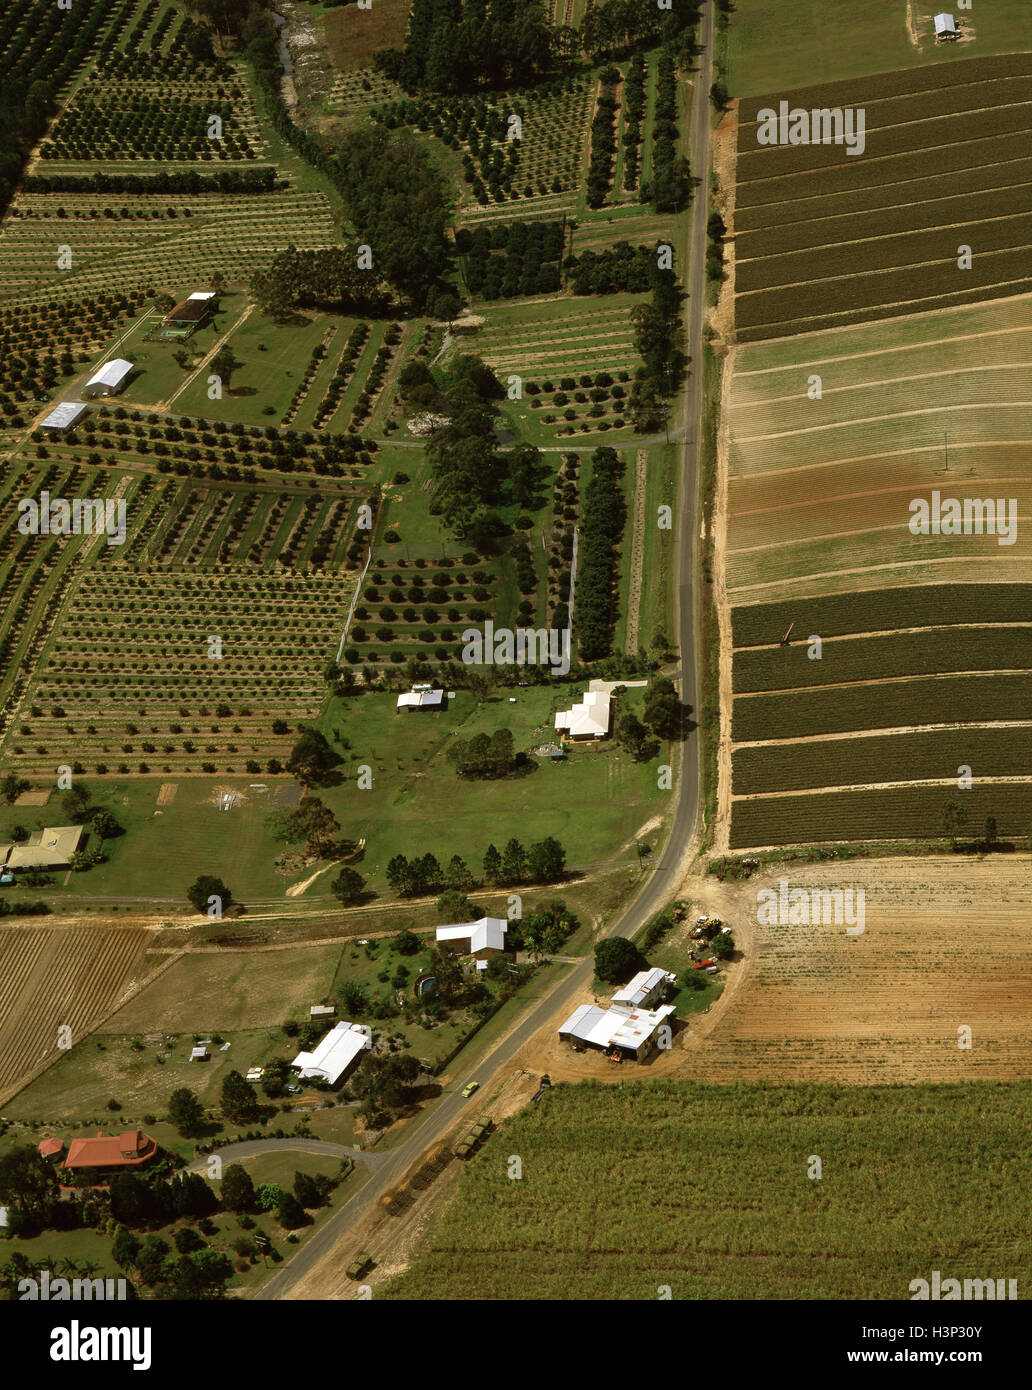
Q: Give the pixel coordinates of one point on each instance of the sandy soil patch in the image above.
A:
(33, 798)
(167, 793)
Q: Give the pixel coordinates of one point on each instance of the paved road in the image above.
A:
(254, 1148)
(657, 890)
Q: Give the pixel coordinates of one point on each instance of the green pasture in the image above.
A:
(800, 42)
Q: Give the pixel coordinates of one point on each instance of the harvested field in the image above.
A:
(52, 978)
(888, 241)
(885, 1006)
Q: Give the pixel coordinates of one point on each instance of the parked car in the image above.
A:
(711, 970)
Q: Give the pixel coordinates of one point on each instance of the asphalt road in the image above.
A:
(659, 887)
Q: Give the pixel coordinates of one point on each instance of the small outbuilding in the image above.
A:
(945, 26)
(64, 416)
(51, 1148)
(110, 379)
(198, 1054)
(188, 314)
(646, 989)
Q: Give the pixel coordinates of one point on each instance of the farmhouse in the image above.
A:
(647, 988)
(421, 697)
(188, 315)
(50, 848)
(337, 1054)
(485, 937)
(110, 379)
(589, 719)
(945, 27)
(618, 1031)
(64, 416)
(130, 1149)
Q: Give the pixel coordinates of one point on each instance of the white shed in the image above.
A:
(63, 416)
(109, 379)
(945, 26)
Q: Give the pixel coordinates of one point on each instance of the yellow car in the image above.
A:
(473, 1086)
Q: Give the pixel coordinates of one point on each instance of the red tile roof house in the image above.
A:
(126, 1151)
(50, 1148)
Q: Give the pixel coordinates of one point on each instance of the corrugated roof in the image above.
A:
(484, 933)
(335, 1052)
(63, 415)
(112, 373)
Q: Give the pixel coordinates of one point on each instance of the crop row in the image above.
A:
(911, 140)
(893, 169)
(880, 705)
(946, 214)
(899, 813)
(811, 207)
(883, 294)
(882, 610)
(895, 654)
(843, 762)
(903, 249)
(948, 77)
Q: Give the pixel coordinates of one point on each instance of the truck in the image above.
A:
(359, 1265)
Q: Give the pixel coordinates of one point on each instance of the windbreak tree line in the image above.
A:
(602, 526)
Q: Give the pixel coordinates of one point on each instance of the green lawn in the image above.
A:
(417, 802)
(799, 42)
(273, 358)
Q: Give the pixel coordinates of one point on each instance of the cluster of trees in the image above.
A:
(204, 888)
(602, 526)
(543, 862)
(384, 1084)
(312, 761)
(715, 232)
(612, 27)
(486, 755)
(603, 139)
(330, 279)
(397, 200)
(657, 339)
(511, 258)
(464, 462)
(671, 186)
(315, 824)
(259, 180)
(544, 932)
(460, 45)
(663, 718)
(310, 1191)
(619, 267)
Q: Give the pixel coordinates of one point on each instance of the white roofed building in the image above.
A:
(647, 988)
(421, 697)
(64, 416)
(482, 939)
(630, 1031)
(945, 26)
(335, 1056)
(109, 379)
(589, 719)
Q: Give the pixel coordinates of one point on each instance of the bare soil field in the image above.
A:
(56, 978)
(947, 942)
(354, 35)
